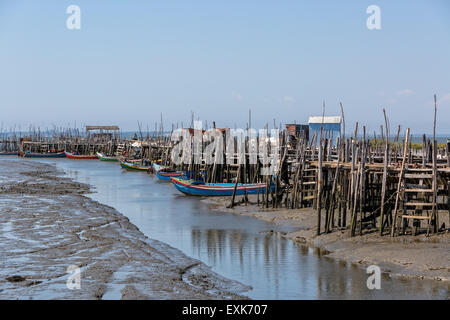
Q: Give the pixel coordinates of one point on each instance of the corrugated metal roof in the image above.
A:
(320, 119)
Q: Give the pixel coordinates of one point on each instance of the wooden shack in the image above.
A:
(103, 134)
(299, 131)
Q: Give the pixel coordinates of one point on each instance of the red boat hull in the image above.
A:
(80, 157)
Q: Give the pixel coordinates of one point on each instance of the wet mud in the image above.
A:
(47, 225)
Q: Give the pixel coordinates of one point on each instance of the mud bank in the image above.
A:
(47, 225)
(406, 256)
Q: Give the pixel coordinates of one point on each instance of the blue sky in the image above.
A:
(132, 60)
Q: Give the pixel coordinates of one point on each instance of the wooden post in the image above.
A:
(448, 201)
(399, 185)
(383, 183)
(434, 216)
(235, 187)
(448, 153)
(319, 183)
(333, 192)
(362, 180)
(355, 200)
(362, 187)
(295, 180)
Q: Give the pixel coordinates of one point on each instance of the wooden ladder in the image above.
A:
(308, 183)
(414, 190)
(418, 200)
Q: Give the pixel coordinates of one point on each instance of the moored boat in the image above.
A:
(133, 166)
(165, 173)
(158, 167)
(199, 188)
(44, 155)
(9, 153)
(103, 157)
(80, 157)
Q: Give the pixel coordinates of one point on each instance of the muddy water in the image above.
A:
(237, 247)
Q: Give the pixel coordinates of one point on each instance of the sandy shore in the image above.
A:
(405, 256)
(47, 225)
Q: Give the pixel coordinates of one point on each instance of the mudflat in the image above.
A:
(48, 225)
(404, 256)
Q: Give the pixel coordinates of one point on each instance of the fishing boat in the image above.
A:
(103, 157)
(44, 155)
(9, 153)
(158, 167)
(80, 157)
(165, 173)
(200, 188)
(133, 166)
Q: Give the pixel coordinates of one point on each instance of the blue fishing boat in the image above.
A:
(166, 174)
(200, 188)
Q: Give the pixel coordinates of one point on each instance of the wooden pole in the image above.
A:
(399, 185)
(333, 191)
(434, 218)
(384, 181)
(319, 183)
(235, 187)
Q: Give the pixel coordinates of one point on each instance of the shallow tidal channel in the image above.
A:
(237, 247)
